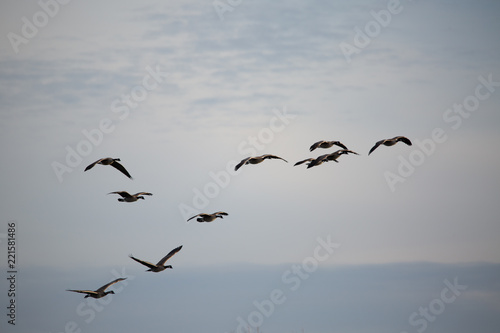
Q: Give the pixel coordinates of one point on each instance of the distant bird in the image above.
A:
(99, 292)
(390, 142)
(126, 197)
(325, 158)
(256, 160)
(110, 161)
(333, 156)
(160, 265)
(319, 160)
(208, 217)
(311, 162)
(327, 144)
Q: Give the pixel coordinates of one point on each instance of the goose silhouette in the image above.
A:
(99, 292)
(110, 161)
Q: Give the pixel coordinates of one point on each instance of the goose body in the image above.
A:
(126, 197)
(160, 265)
(327, 144)
(101, 292)
(256, 160)
(203, 217)
(110, 161)
(390, 142)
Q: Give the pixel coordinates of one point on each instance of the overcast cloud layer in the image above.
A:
(183, 91)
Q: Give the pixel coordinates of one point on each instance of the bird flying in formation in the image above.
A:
(256, 160)
(126, 197)
(160, 265)
(203, 217)
(390, 142)
(99, 292)
(110, 161)
(325, 158)
(327, 144)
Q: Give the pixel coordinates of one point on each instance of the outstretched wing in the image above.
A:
(304, 161)
(192, 217)
(169, 255)
(220, 213)
(145, 263)
(315, 145)
(120, 167)
(333, 156)
(124, 194)
(375, 147)
(90, 166)
(403, 139)
(273, 157)
(340, 144)
(108, 284)
(142, 193)
(83, 291)
(347, 151)
(243, 162)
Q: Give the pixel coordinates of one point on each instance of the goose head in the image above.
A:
(140, 197)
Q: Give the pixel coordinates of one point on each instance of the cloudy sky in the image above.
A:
(403, 240)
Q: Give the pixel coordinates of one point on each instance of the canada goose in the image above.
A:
(327, 144)
(110, 161)
(333, 156)
(208, 217)
(325, 158)
(160, 265)
(390, 142)
(126, 197)
(319, 160)
(314, 161)
(99, 292)
(256, 160)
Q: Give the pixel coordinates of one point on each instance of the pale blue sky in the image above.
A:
(181, 95)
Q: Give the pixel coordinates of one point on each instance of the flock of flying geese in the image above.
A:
(204, 217)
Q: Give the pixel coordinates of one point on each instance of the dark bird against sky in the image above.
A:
(390, 142)
(110, 161)
(203, 217)
(256, 160)
(126, 197)
(160, 265)
(99, 292)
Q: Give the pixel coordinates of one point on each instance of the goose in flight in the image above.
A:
(126, 197)
(333, 156)
(327, 144)
(160, 266)
(256, 160)
(390, 142)
(208, 217)
(110, 161)
(315, 161)
(99, 292)
(325, 158)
